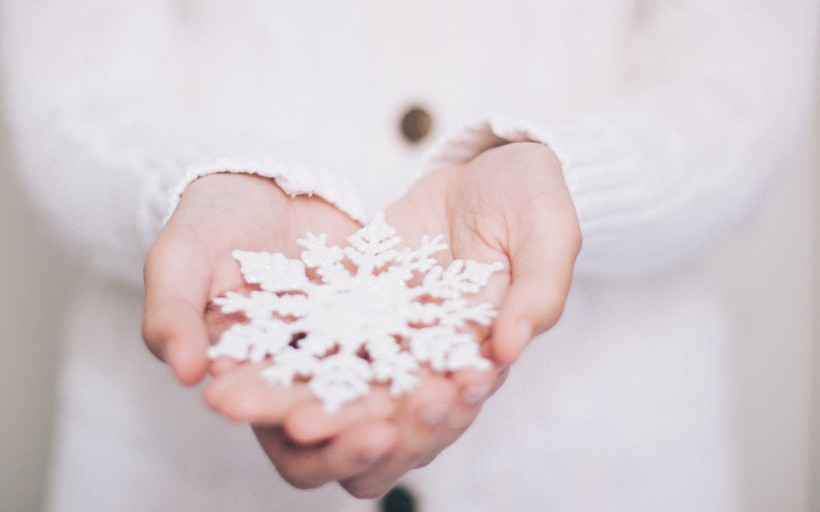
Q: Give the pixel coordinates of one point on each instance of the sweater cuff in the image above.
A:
(597, 164)
(589, 155)
(295, 176)
(471, 141)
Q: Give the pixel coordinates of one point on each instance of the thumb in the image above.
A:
(174, 327)
(541, 262)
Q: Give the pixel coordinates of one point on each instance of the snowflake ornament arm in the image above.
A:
(341, 329)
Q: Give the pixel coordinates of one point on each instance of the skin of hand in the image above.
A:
(190, 261)
(509, 204)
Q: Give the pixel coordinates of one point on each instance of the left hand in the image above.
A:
(509, 204)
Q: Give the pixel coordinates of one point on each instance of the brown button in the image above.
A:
(416, 124)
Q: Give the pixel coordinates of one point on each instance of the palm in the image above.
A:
(190, 263)
(509, 205)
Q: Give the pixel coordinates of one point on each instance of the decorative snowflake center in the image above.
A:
(341, 330)
(367, 309)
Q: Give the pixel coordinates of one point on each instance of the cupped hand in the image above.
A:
(190, 262)
(510, 204)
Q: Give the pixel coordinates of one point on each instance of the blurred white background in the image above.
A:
(769, 277)
(768, 274)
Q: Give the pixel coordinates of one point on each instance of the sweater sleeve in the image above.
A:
(717, 106)
(103, 132)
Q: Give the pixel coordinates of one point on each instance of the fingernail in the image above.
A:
(474, 394)
(434, 413)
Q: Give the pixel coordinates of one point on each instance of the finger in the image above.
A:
(309, 423)
(422, 414)
(542, 256)
(174, 329)
(419, 423)
(353, 451)
(243, 395)
(222, 365)
(473, 387)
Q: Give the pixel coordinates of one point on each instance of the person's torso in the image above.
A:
(338, 78)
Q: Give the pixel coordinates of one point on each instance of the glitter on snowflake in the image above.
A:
(340, 329)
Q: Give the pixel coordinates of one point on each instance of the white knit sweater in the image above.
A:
(671, 121)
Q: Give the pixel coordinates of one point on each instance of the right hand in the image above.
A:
(190, 262)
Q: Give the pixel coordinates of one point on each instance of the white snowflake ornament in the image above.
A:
(341, 329)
